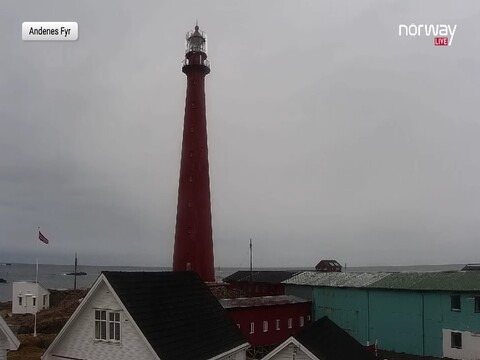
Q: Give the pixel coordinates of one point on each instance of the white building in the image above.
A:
(29, 297)
(149, 316)
(8, 340)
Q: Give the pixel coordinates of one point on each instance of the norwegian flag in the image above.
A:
(42, 238)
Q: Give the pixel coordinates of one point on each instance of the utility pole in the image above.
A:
(251, 269)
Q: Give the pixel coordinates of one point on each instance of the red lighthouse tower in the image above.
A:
(193, 248)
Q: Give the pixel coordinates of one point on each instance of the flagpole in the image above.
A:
(36, 284)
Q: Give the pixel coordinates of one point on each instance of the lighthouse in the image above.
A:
(193, 249)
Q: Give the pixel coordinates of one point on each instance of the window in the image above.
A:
(265, 326)
(455, 303)
(289, 323)
(456, 340)
(100, 325)
(278, 324)
(107, 320)
(301, 321)
(308, 317)
(238, 325)
(34, 301)
(252, 328)
(20, 301)
(114, 323)
(44, 299)
(477, 304)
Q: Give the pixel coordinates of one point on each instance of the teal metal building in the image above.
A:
(428, 314)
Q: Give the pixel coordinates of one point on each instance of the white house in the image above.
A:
(29, 297)
(320, 340)
(8, 340)
(149, 316)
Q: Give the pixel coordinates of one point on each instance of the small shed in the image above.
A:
(28, 297)
(8, 340)
(329, 266)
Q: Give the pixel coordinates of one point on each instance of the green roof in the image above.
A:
(430, 281)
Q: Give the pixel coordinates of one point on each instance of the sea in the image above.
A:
(55, 276)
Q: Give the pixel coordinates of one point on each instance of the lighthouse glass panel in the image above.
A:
(196, 42)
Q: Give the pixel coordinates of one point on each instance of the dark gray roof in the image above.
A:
(470, 267)
(327, 341)
(261, 301)
(262, 276)
(177, 313)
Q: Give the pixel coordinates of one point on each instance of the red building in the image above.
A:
(329, 266)
(268, 320)
(260, 283)
(193, 248)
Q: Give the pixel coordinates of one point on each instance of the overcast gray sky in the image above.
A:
(329, 135)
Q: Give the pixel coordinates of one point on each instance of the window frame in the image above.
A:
(453, 303)
(456, 340)
(277, 324)
(107, 325)
(100, 328)
(301, 321)
(114, 325)
(20, 300)
(265, 326)
(252, 328)
(290, 323)
(476, 304)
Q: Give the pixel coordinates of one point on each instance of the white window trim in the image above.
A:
(290, 323)
(277, 324)
(301, 321)
(265, 326)
(252, 328)
(99, 321)
(107, 325)
(114, 322)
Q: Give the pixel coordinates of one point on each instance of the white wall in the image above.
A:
(287, 354)
(28, 290)
(470, 345)
(78, 341)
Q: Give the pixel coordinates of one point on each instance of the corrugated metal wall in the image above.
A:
(401, 321)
